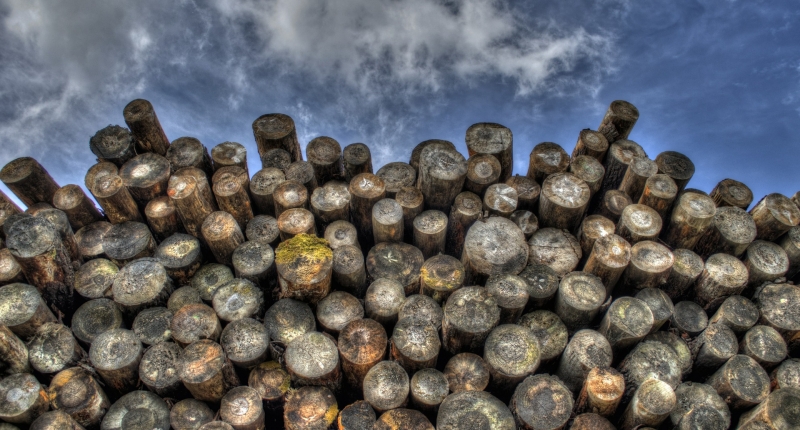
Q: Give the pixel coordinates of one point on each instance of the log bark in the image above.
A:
(412, 203)
(620, 155)
(13, 353)
(232, 197)
(60, 221)
(590, 170)
(115, 355)
(96, 172)
(255, 261)
(181, 256)
(467, 208)
(659, 193)
(222, 234)
(313, 359)
(500, 200)
(262, 189)
(729, 192)
(547, 158)
(330, 203)
(608, 259)
(242, 409)
(741, 382)
(140, 285)
(162, 217)
(549, 331)
(75, 392)
(677, 166)
(685, 270)
(430, 230)
(188, 152)
(601, 392)
(383, 300)
(206, 371)
(190, 414)
(146, 177)
(579, 298)
(712, 348)
(688, 319)
(722, 277)
(649, 360)
(528, 192)
(591, 143)
(362, 345)
(325, 155)
(310, 407)
(79, 209)
(699, 406)
(386, 386)
(541, 401)
(478, 409)
(651, 405)
(387, 221)
(295, 221)
(442, 172)
(506, 252)
(365, 189)
(618, 121)
(650, 266)
(305, 266)
(95, 317)
(469, 316)
(482, 170)
(492, 139)
(415, 344)
(153, 325)
(349, 270)
(229, 154)
(466, 372)
(563, 201)
(774, 215)
(29, 181)
(692, 217)
(193, 323)
(593, 227)
(113, 144)
(640, 169)
(511, 293)
(396, 176)
(790, 242)
(660, 305)
(237, 299)
(356, 159)
(146, 129)
(731, 232)
(276, 130)
(158, 370)
(397, 261)
(337, 310)
(191, 202)
(778, 409)
(786, 375)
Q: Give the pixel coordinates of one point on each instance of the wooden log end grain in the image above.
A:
(22, 309)
(547, 158)
(492, 139)
(304, 264)
(117, 203)
(563, 201)
(638, 223)
(526, 221)
(685, 270)
(730, 232)
(730, 192)
(618, 120)
(255, 261)
(688, 319)
(181, 256)
(550, 332)
(635, 177)
(483, 170)
(296, 221)
(790, 242)
(285, 320)
(310, 407)
(779, 307)
(222, 233)
(422, 307)
(386, 386)
(475, 409)
(29, 181)
(113, 144)
(620, 155)
(781, 408)
(277, 158)
(190, 414)
(188, 152)
(764, 345)
(349, 270)
(96, 172)
(115, 355)
(195, 322)
(387, 221)
(262, 189)
(79, 209)
(651, 405)
(365, 189)
(95, 317)
(650, 266)
(355, 416)
(206, 371)
(542, 283)
(232, 197)
(511, 293)
(612, 204)
(229, 154)
(591, 143)
(142, 284)
(356, 159)
(24, 399)
(183, 296)
(56, 420)
(590, 170)
(128, 241)
(10, 270)
(500, 200)
(512, 353)
(341, 233)
(601, 392)
(541, 401)
(467, 372)
(325, 155)
(362, 344)
(649, 359)
(313, 359)
(337, 310)
(146, 130)
(699, 404)
(528, 191)
(246, 342)
(429, 388)
(586, 349)
(210, 277)
(416, 153)
(678, 346)
(736, 312)
(302, 172)
(442, 172)
(470, 314)
(741, 382)
(579, 298)
(383, 300)
(138, 410)
(237, 299)
(415, 344)
(430, 232)
(398, 261)
(158, 370)
(659, 193)
(677, 166)
(54, 349)
(591, 421)
(626, 322)
(397, 175)
(276, 130)
(76, 392)
(272, 382)
(402, 418)
(263, 228)
(592, 228)
(146, 177)
(608, 259)
(660, 305)
(162, 217)
(242, 409)
(467, 208)
(153, 325)
(774, 215)
(712, 348)
(60, 221)
(723, 276)
(494, 246)
(330, 203)
(412, 202)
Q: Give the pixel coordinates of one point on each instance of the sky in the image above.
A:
(716, 80)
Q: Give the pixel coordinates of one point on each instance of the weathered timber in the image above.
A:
(660, 305)
(398, 261)
(500, 200)
(466, 372)
(396, 176)
(430, 230)
(262, 189)
(442, 172)
(158, 370)
(764, 345)
(429, 388)
(591, 143)
(113, 144)
(278, 158)
(263, 228)
(415, 344)
(686, 268)
(563, 201)
(302, 172)
(146, 129)
(188, 152)
(195, 322)
(296, 221)
(190, 414)
(79, 209)
(741, 382)
(276, 130)
(549, 331)
(362, 344)
(313, 359)
(712, 348)
(222, 234)
(493, 246)
(541, 401)
(153, 325)
(229, 154)
(162, 217)
(547, 158)
(337, 310)
(232, 197)
(76, 392)
(608, 259)
(254, 261)
(590, 170)
(145, 176)
(730, 232)
(386, 386)
(579, 298)
(285, 320)
(310, 408)
(723, 276)
(22, 309)
(29, 181)
(241, 407)
(24, 399)
(95, 317)
(638, 223)
(699, 406)
(325, 155)
(10, 270)
(677, 166)
(492, 139)
(650, 266)
(483, 170)
(210, 277)
(586, 350)
(330, 203)
(736, 312)
(422, 307)
(612, 204)
(469, 316)
(618, 120)
(365, 189)
(601, 392)
(542, 284)
(476, 409)
(237, 299)
(387, 221)
(511, 293)
(650, 406)
(356, 159)
(528, 191)
(206, 371)
(181, 256)
(246, 342)
(467, 208)
(115, 355)
(272, 382)
(730, 192)
(383, 300)
(142, 284)
(305, 265)
(688, 319)
(54, 349)
(626, 322)
(181, 297)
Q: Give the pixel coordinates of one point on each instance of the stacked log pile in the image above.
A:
(595, 292)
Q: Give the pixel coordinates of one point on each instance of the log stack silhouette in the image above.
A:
(595, 292)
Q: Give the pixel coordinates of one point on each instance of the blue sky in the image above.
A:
(716, 80)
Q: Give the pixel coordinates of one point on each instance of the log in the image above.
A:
(764, 345)
(466, 372)
(140, 285)
(96, 172)
(396, 176)
(492, 139)
(640, 169)
(677, 166)
(688, 319)
(790, 242)
(190, 414)
(527, 190)
(158, 370)
(549, 331)
(476, 409)
(262, 190)
(24, 399)
(22, 310)
(774, 301)
(777, 410)
(601, 392)
(216, 425)
(303, 173)
(429, 388)
(349, 271)
(181, 256)
(255, 261)
(638, 223)
(415, 344)
(387, 221)
(55, 420)
(272, 382)
(309, 408)
(195, 322)
(712, 348)
(541, 402)
(511, 293)
(467, 208)
(95, 317)
(355, 416)
(422, 307)
(526, 221)
(589, 170)
(162, 217)
(341, 233)
(313, 359)
(765, 262)
(403, 418)
(430, 232)
(660, 305)
(138, 410)
(325, 155)
(330, 203)
(75, 392)
(579, 298)
(563, 201)
(650, 266)
(491, 247)
(411, 201)
(206, 371)
(469, 316)
(483, 170)
(591, 143)
(113, 144)
(397, 261)
(54, 349)
(263, 228)
(188, 152)
(13, 353)
(356, 159)
(651, 405)
(232, 197)
(586, 350)
(29, 181)
(365, 189)
(276, 158)
(699, 406)
(181, 297)
(362, 345)
(620, 155)
(500, 200)
(416, 153)
(677, 346)
(685, 270)
(542, 284)
(723, 276)
(128, 241)
(10, 271)
(276, 130)
(618, 120)
(337, 310)
(593, 227)
(383, 300)
(511, 353)
(79, 209)
(386, 386)
(547, 158)
(145, 128)
(222, 234)
(442, 172)
(296, 221)
(191, 201)
(659, 193)
(36, 208)
(60, 221)
(153, 325)
(591, 421)
(625, 324)
(608, 259)
(736, 312)
(786, 375)
(115, 355)
(36, 246)
(210, 277)
(7, 208)
(241, 407)
(229, 154)
(649, 360)
(741, 382)
(304, 264)
(237, 299)
(731, 232)
(774, 215)
(729, 192)
(145, 176)
(285, 320)
(613, 204)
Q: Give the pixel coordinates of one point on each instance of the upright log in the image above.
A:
(765, 262)
(263, 228)
(640, 169)
(579, 298)
(296, 221)
(547, 158)
(467, 208)
(188, 152)
(113, 144)
(222, 234)
(310, 407)
(386, 386)
(365, 189)
(349, 270)
(650, 266)
(440, 276)
(442, 172)
(712, 348)
(511, 292)
(29, 181)
(467, 372)
(398, 261)
(276, 130)
(387, 221)
(206, 371)
(76, 392)
(731, 232)
(285, 320)
(620, 155)
(116, 354)
(563, 201)
(601, 392)
(541, 401)
(357, 415)
(688, 319)
(232, 197)
(527, 191)
(612, 204)
(699, 406)
(482, 170)
(158, 370)
(195, 322)
(729, 192)
(638, 223)
(190, 414)
(415, 344)
(241, 407)
(778, 305)
(117, 203)
(491, 247)
(469, 315)
(181, 256)
(593, 227)
(79, 209)
(659, 193)
(237, 299)
(608, 259)
(779, 409)
(302, 172)
(209, 278)
(500, 200)
(590, 170)
(383, 300)
(786, 375)
(591, 143)
(542, 284)
(422, 307)
(618, 121)
(272, 382)
(146, 177)
(430, 230)
(412, 202)
(255, 261)
(304, 264)
(262, 189)
(790, 242)
(685, 270)
(276, 157)
(478, 409)
(660, 305)
(191, 193)
(60, 221)
(325, 155)
(362, 345)
(677, 166)
(429, 388)
(337, 310)
(512, 353)
(330, 203)
(153, 325)
(649, 359)
(140, 285)
(774, 215)
(549, 331)
(229, 154)
(145, 127)
(162, 217)
(722, 277)
(313, 359)
(492, 139)
(556, 248)
(764, 345)
(356, 159)
(651, 405)
(96, 172)
(396, 176)
(626, 322)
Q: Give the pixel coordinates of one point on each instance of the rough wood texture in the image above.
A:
(255, 261)
(422, 307)
(779, 409)
(736, 312)
(563, 201)
(210, 277)
(194, 322)
(232, 197)
(272, 382)
(337, 310)
(659, 193)
(492, 139)
(731, 232)
(313, 359)
(276, 130)
(511, 292)
(699, 406)
(626, 322)
(677, 166)
(206, 371)
(140, 285)
(113, 144)
(22, 310)
(288, 195)
(153, 325)
(349, 270)
(95, 317)
(146, 177)
(729, 192)
(181, 256)
(541, 401)
(429, 388)
(620, 155)
(330, 203)
(263, 228)
(650, 266)
(500, 200)
(302, 172)
(276, 158)
(685, 270)
(640, 169)
(593, 227)
(723, 276)
(691, 217)
(527, 192)
(60, 221)
(688, 319)
(362, 345)
(638, 223)
(467, 208)
(469, 315)
(128, 241)
(467, 372)
(741, 382)
(75, 392)
(79, 209)
(55, 420)
(387, 221)
(397, 175)
(398, 261)
(430, 229)
(579, 298)
(296, 221)
(310, 408)
(304, 264)
(601, 392)
(96, 172)
(242, 409)
(190, 414)
(365, 189)
(590, 170)
(188, 152)
(549, 331)
(476, 409)
(356, 159)
(115, 355)
(618, 121)
(651, 405)
(237, 299)
(506, 252)
(145, 127)
(442, 172)
(10, 270)
(774, 215)
(649, 360)
(386, 386)
(555, 248)
(415, 344)
(786, 375)
(609, 257)
(262, 189)
(790, 242)
(222, 234)
(712, 348)
(542, 283)
(13, 353)
(325, 155)
(512, 353)
(411, 201)
(158, 370)
(29, 181)
(383, 300)
(660, 305)
(162, 217)
(482, 170)
(764, 345)
(285, 320)
(229, 154)
(191, 202)
(547, 158)
(612, 204)
(779, 305)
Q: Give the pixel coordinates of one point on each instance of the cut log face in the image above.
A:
(262, 189)
(237, 299)
(313, 359)
(579, 298)
(591, 143)
(330, 203)
(302, 172)
(563, 201)
(422, 307)
(608, 259)
(618, 121)
(492, 139)
(442, 172)
(276, 130)
(79, 209)
(271, 381)
(677, 166)
(774, 215)
(304, 264)
(206, 371)
(778, 409)
(429, 388)
(145, 127)
(528, 191)
(542, 283)
(549, 330)
(95, 317)
(263, 228)
(660, 305)
(397, 175)
(357, 159)
(430, 229)
(555, 248)
(593, 227)
(398, 261)
(491, 247)
(601, 393)
(723, 276)
(650, 266)
(181, 297)
(141, 284)
(195, 322)
(287, 319)
(96, 172)
(10, 270)
(730, 192)
(590, 170)
(188, 152)
(415, 344)
(511, 292)
(337, 310)
(54, 349)
(255, 261)
(190, 414)
(692, 397)
(541, 401)
(29, 181)
(386, 386)
(764, 345)
(383, 300)
(158, 369)
(688, 319)
(114, 144)
(229, 154)
(639, 171)
(276, 158)
(741, 382)
(612, 204)
(638, 223)
(469, 315)
(547, 158)
(325, 155)
(242, 409)
(685, 270)
(659, 193)
(620, 155)
(24, 399)
(478, 409)
(779, 305)
(626, 322)
(362, 345)
(736, 312)
(500, 200)
(651, 404)
(730, 232)
(146, 177)
(246, 342)
(78, 394)
(482, 171)
(162, 217)
(116, 354)
(786, 375)
(467, 372)
(210, 277)
(153, 325)
(128, 241)
(387, 221)
(22, 310)
(512, 353)
(467, 208)
(181, 256)
(310, 407)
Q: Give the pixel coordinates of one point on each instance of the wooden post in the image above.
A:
(232, 197)
(145, 127)
(625, 324)
(729, 192)
(772, 301)
(158, 370)
(511, 293)
(547, 158)
(285, 320)
(190, 414)
(649, 359)
(29, 181)
(688, 319)
(229, 154)
(481, 261)
(222, 234)
(188, 152)
(731, 232)
(712, 348)
(618, 120)
(492, 139)
(527, 192)
(402, 418)
(242, 408)
(541, 401)
(366, 189)
(786, 375)
(660, 305)
(650, 266)
(593, 227)
(659, 194)
(482, 170)
(774, 215)
(467, 208)
(272, 382)
(790, 242)
(467, 372)
(699, 406)
(386, 386)
(723, 276)
(741, 382)
(764, 345)
(677, 166)
(39, 251)
(579, 298)
(325, 155)
(383, 300)
(55, 420)
(608, 259)
(651, 405)
(113, 144)
(415, 344)
(128, 241)
(237, 299)
(310, 407)
(591, 421)
(262, 189)
(210, 277)
(277, 158)
(387, 221)
(549, 331)
(633, 181)
(429, 388)
(349, 271)
(296, 221)
(96, 172)
(500, 200)
(140, 285)
(509, 368)
(778, 409)
(330, 203)
(685, 270)
(153, 325)
(440, 276)
(430, 229)
(469, 315)
(356, 159)
(416, 153)
(411, 201)
(10, 271)
(362, 345)
(206, 371)
(24, 399)
(396, 176)
(692, 216)
(304, 265)
(337, 310)
(442, 172)
(79, 209)
(116, 354)
(591, 143)
(195, 322)
(563, 201)
(146, 177)
(162, 217)
(263, 228)
(601, 392)
(474, 408)
(620, 155)
(736, 312)
(589, 170)
(422, 307)
(302, 172)
(341, 233)
(255, 261)
(191, 200)
(276, 130)
(181, 256)
(75, 392)
(542, 284)
(638, 223)
(95, 317)
(398, 261)
(313, 359)
(117, 203)
(612, 204)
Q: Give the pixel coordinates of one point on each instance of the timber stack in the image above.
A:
(596, 291)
